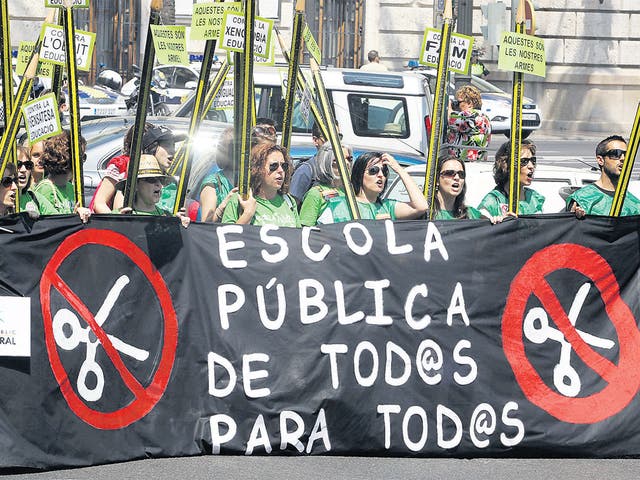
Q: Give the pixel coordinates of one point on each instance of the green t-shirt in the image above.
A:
(496, 203)
(376, 211)
(278, 211)
(219, 182)
(35, 202)
(62, 199)
(168, 197)
(322, 205)
(597, 201)
(449, 215)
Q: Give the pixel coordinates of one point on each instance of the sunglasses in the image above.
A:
(28, 164)
(264, 130)
(453, 173)
(152, 180)
(349, 158)
(274, 166)
(8, 181)
(373, 171)
(616, 153)
(525, 161)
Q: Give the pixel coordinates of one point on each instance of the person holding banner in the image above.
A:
(325, 202)
(151, 178)
(56, 186)
(597, 198)
(8, 189)
(451, 188)
(156, 140)
(30, 201)
(268, 202)
(495, 204)
(468, 126)
(369, 177)
(217, 187)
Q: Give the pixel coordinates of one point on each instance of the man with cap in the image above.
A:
(374, 64)
(156, 140)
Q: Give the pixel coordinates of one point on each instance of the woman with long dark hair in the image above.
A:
(451, 190)
(369, 177)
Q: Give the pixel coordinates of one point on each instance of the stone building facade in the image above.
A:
(593, 64)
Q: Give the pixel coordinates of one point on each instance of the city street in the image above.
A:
(352, 468)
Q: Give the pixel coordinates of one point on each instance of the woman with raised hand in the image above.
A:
(268, 202)
(325, 201)
(369, 177)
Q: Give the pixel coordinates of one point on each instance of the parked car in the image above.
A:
(386, 111)
(496, 104)
(554, 182)
(181, 81)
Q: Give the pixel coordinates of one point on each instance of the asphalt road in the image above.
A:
(561, 149)
(354, 468)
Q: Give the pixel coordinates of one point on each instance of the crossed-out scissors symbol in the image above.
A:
(537, 329)
(77, 334)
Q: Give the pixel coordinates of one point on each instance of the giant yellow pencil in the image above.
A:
(627, 167)
(440, 110)
(294, 61)
(245, 109)
(73, 101)
(516, 123)
(13, 122)
(302, 85)
(143, 103)
(334, 138)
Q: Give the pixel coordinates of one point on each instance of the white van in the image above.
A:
(385, 111)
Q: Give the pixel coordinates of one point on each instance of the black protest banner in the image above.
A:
(363, 338)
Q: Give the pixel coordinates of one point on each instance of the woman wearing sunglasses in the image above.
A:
(268, 202)
(495, 204)
(8, 189)
(30, 201)
(451, 188)
(325, 201)
(369, 179)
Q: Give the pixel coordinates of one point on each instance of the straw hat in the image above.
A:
(149, 168)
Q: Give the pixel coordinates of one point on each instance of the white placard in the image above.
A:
(15, 327)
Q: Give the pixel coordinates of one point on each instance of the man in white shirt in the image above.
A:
(374, 64)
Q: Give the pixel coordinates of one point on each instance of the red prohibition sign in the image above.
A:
(145, 397)
(623, 379)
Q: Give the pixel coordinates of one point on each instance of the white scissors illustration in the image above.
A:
(537, 329)
(77, 334)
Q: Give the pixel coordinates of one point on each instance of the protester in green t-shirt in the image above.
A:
(325, 201)
(146, 197)
(451, 189)
(597, 198)
(56, 186)
(369, 177)
(30, 201)
(268, 202)
(495, 205)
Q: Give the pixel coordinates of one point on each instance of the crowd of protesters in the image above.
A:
(41, 179)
